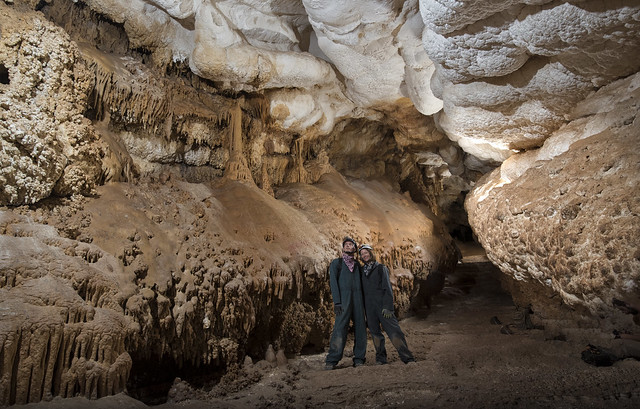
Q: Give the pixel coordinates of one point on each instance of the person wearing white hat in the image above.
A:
(378, 303)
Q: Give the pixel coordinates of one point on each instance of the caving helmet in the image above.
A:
(346, 239)
(369, 249)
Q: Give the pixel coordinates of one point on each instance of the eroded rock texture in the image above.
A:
(189, 273)
(563, 220)
(62, 326)
(509, 71)
(224, 148)
(47, 144)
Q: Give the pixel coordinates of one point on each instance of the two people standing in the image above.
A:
(357, 290)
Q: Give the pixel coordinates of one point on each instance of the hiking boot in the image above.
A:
(329, 367)
(495, 321)
(380, 363)
(357, 364)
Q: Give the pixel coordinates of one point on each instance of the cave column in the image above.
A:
(237, 168)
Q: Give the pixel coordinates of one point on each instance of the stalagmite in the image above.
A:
(281, 358)
(270, 355)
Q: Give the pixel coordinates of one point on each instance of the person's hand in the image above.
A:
(386, 313)
(337, 309)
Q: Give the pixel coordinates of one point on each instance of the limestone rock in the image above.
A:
(254, 135)
(47, 146)
(281, 358)
(508, 72)
(63, 331)
(270, 355)
(166, 257)
(561, 220)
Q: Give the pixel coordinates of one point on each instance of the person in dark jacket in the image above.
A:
(346, 290)
(378, 302)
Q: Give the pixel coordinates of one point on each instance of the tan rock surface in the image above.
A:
(47, 145)
(224, 149)
(195, 273)
(62, 328)
(563, 220)
(463, 361)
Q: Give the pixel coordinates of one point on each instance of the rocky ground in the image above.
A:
(464, 360)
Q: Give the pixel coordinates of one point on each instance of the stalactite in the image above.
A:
(42, 359)
(266, 181)
(301, 173)
(236, 168)
(258, 107)
(160, 105)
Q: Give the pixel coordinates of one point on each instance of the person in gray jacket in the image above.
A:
(378, 302)
(346, 290)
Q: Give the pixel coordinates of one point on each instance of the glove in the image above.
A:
(337, 309)
(386, 313)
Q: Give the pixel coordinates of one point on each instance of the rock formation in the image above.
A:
(48, 146)
(176, 175)
(192, 273)
(63, 328)
(562, 219)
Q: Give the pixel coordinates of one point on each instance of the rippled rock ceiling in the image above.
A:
(176, 175)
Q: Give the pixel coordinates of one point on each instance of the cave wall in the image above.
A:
(188, 172)
(562, 220)
(197, 235)
(198, 274)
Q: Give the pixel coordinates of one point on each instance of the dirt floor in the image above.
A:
(463, 361)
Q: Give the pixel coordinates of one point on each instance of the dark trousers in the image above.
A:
(395, 334)
(340, 330)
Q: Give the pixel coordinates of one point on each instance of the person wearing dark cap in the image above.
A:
(346, 290)
(378, 302)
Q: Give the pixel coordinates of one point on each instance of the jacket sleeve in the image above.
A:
(333, 282)
(387, 297)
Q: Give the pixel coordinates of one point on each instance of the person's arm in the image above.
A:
(333, 282)
(387, 295)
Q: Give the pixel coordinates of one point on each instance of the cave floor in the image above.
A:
(463, 360)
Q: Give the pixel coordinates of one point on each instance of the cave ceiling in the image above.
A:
(458, 87)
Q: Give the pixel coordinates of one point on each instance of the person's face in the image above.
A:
(365, 255)
(349, 247)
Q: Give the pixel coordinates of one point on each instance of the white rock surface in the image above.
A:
(508, 72)
(46, 144)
